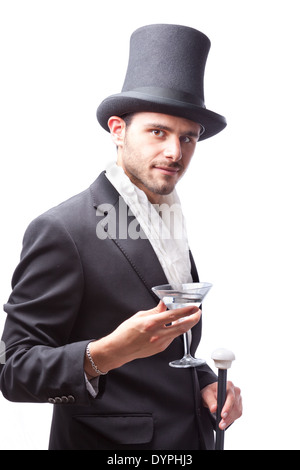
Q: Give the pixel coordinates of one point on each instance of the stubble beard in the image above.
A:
(138, 175)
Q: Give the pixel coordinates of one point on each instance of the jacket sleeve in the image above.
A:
(206, 376)
(42, 364)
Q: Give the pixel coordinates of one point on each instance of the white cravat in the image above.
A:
(163, 224)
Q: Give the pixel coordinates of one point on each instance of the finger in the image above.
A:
(232, 409)
(229, 402)
(170, 323)
(168, 316)
(183, 325)
(160, 307)
(172, 316)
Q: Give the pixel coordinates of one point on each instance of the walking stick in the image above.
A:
(223, 359)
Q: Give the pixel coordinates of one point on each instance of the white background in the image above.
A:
(59, 59)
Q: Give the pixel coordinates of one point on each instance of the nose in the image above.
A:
(173, 149)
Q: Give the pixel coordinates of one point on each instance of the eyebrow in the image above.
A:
(169, 129)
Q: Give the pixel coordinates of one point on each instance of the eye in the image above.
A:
(158, 132)
(186, 139)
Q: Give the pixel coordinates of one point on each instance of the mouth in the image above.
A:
(168, 170)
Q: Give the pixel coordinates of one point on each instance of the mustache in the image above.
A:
(174, 165)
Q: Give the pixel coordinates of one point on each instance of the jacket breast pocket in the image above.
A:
(120, 429)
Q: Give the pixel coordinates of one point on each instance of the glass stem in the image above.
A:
(186, 344)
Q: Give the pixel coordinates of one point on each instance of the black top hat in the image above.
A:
(165, 75)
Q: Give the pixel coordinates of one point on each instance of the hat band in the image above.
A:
(169, 93)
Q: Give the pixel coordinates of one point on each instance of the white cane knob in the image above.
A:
(223, 358)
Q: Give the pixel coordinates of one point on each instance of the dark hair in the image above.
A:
(127, 118)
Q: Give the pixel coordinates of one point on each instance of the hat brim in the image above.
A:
(133, 102)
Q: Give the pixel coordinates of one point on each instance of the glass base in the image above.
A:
(187, 361)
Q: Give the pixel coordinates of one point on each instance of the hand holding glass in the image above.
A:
(183, 295)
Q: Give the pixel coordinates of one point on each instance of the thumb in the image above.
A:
(160, 307)
(209, 397)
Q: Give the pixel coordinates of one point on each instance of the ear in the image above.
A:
(117, 129)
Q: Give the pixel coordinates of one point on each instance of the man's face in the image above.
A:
(155, 151)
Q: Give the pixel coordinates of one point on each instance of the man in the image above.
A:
(84, 330)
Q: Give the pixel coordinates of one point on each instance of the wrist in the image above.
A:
(102, 353)
(91, 363)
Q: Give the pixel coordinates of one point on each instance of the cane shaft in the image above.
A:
(222, 382)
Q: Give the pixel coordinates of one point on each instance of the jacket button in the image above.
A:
(71, 399)
(51, 400)
(58, 400)
(64, 399)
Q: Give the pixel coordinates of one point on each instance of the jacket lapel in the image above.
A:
(123, 230)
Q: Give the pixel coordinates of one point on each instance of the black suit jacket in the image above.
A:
(72, 286)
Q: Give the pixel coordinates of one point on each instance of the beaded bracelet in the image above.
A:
(95, 368)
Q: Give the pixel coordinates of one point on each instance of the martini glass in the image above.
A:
(183, 295)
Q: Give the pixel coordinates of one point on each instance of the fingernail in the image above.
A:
(222, 425)
(224, 415)
(213, 408)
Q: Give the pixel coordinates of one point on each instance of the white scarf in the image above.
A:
(163, 224)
